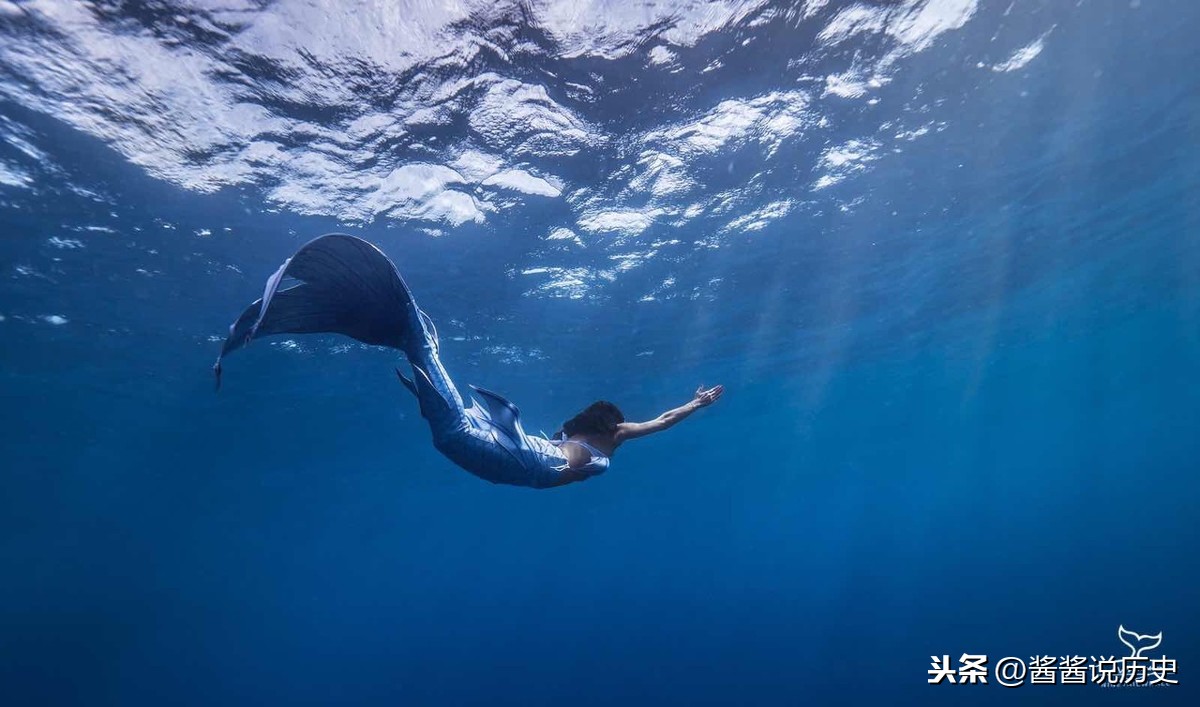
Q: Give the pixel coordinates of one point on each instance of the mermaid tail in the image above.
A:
(344, 285)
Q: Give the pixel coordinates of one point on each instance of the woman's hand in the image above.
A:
(705, 397)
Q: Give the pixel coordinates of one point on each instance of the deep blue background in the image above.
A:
(960, 418)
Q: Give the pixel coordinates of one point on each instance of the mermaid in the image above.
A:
(345, 285)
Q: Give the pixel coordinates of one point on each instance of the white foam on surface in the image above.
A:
(1021, 58)
(434, 116)
(522, 181)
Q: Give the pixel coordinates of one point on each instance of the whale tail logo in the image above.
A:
(1137, 642)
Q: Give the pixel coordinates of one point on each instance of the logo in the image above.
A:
(1133, 670)
(1137, 642)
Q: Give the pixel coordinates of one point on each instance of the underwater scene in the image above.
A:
(918, 281)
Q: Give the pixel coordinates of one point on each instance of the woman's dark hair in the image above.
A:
(601, 417)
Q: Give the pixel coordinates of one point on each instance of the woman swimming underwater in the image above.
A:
(345, 285)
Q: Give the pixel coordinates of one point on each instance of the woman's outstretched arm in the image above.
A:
(633, 430)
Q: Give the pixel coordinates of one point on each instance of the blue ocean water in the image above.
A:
(943, 255)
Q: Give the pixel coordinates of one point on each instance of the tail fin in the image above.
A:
(345, 286)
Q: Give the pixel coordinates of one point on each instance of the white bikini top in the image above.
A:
(597, 465)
